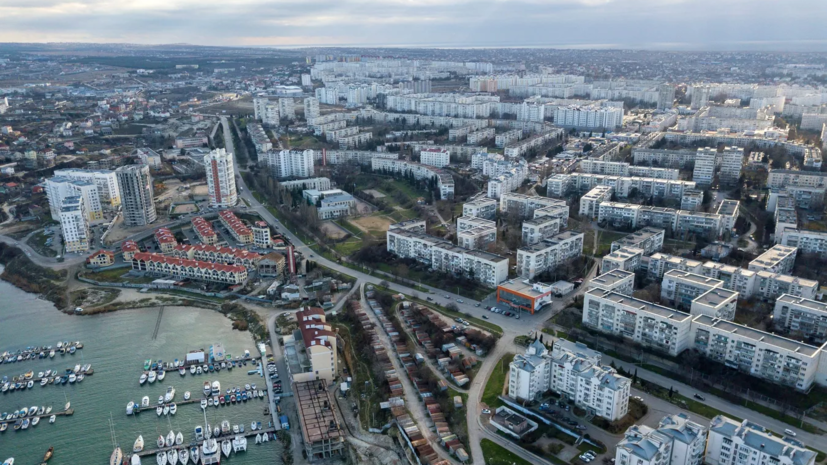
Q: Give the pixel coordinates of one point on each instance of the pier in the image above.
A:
(248, 434)
(64, 413)
(193, 400)
(52, 380)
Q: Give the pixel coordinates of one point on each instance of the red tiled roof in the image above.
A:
(164, 236)
(234, 223)
(238, 253)
(129, 246)
(202, 226)
(156, 257)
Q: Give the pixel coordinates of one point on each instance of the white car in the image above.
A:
(486, 411)
(789, 432)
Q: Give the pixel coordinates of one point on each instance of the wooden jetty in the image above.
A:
(230, 436)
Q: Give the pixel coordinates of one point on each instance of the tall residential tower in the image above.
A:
(136, 195)
(221, 178)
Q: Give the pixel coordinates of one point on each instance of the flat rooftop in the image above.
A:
(728, 207)
(693, 278)
(316, 415)
(756, 335)
(639, 236)
(809, 304)
(524, 287)
(715, 297)
(611, 278)
(642, 305)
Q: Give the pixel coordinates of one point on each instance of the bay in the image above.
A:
(116, 344)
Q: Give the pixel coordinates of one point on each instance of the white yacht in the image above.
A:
(226, 447)
(239, 444)
(192, 369)
(117, 457)
(216, 388)
(130, 407)
(199, 433)
(161, 375)
(166, 409)
(179, 439)
(145, 402)
(139, 444)
(170, 439)
(161, 458)
(151, 377)
(143, 378)
(194, 455)
(187, 395)
(159, 410)
(170, 394)
(209, 452)
(204, 403)
(173, 408)
(183, 456)
(172, 456)
(135, 460)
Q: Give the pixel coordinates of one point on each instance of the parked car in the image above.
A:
(699, 397)
(477, 305)
(485, 411)
(485, 317)
(460, 301)
(789, 432)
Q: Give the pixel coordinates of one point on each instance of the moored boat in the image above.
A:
(139, 444)
(226, 447)
(117, 457)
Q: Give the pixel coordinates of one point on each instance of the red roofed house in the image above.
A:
(129, 248)
(101, 258)
(237, 228)
(213, 253)
(155, 263)
(204, 231)
(166, 240)
(319, 359)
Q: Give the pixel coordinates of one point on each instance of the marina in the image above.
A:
(116, 345)
(270, 432)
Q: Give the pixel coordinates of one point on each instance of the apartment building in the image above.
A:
(58, 188)
(649, 239)
(652, 325)
(237, 228)
(705, 162)
(311, 108)
(769, 285)
(783, 178)
(687, 223)
(74, 225)
(561, 185)
(287, 108)
(717, 303)
(136, 194)
(530, 373)
(266, 111)
(539, 229)
(216, 254)
(355, 140)
(522, 147)
(676, 441)
(261, 234)
(180, 268)
(729, 213)
(732, 161)
(590, 203)
(670, 174)
(128, 250)
(807, 241)
(319, 341)
(666, 158)
(559, 211)
(204, 230)
(692, 199)
(809, 198)
(588, 117)
(660, 263)
(549, 253)
(800, 316)
(525, 205)
(439, 158)
(743, 443)
(778, 259)
(475, 233)
(489, 269)
(166, 240)
(623, 169)
(319, 184)
(445, 182)
(626, 259)
(680, 288)
(501, 140)
(758, 353)
(620, 281)
(290, 163)
(220, 171)
(106, 182)
(482, 207)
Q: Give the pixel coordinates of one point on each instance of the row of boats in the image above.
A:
(231, 396)
(25, 417)
(208, 453)
(157, 374)
(165, 404)
(32, 353)
(28, 380)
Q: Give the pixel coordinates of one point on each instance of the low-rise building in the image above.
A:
(271, 265)
(128, 250)
(524, 295)
(512, 423)
(204, 230)
(101, 258)
(732, 442)
(166, 240)
(237, 228)
(181, 268)
(212, 253)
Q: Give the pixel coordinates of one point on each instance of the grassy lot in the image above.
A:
(494, 386)
(38, 243)
(604, 242)
(114, 276)
(496, 454)
(348, 247)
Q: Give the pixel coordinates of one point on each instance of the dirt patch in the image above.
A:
(333, 230)
(183, 209)
(363, 208)
(200, 190)
(374, 193)
(93, 297)
(372, 223)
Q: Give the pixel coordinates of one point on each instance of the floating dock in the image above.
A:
(39, 353)
(64, 413)
(139, 409)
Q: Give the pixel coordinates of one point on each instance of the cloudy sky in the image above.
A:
(659, 24)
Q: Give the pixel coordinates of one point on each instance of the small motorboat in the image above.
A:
(151, 377)
(161, 375)
(199, 433)
(159, 410)
(265, 437)
(182, 371)
(216, 432)
(135, 460)
(161, 442)
(170, 394)
(143, 378)
(160, 400)
(192, 369)
(52, 418)
(147, 364)
(48, 455)
(216, 387)
(215, 401)
(26, 423)
(203, 403)
(130, 408)
(35, 421)
(139, 444)
(80, 378)
(166, 409)
(235, 429)
(207, 388)
(179, 439)
(68, 404)
(44, 381)
(226, 447)
(258, 438)
(173, 408)
(30, 384)
(41, 410)
(145, 402)
(252, 426)
(225, 427)
(187, 395)
(199, 370)
(221, 400)
(3, 427)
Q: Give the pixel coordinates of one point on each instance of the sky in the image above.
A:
(647, 24)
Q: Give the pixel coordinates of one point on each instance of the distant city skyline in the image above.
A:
(635, 24)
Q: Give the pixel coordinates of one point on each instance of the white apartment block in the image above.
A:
(588, 117)
(560, 211)
(716, 303)
(287, 108)
(538, 229)
(522, 147)
(758, 353)
(501, 140)
(487, 268)
(732, 161)
(705, 161)
(355, 140)
(220, 172)
(58, 188)
(617, 168)
(478, 159)
(319, 184)
(660, 263)
(561, 185)
(476, 137)
(106, 182)
(362, 157)
(681, 222)
(590, 203)
(665, 158)
(74, 225)
(806, 241)
(445, 182)
(769, 285)
(525, 205)
(778, 259)
(620, 281)
(784, 178)
(481, 207)
(671, 174)
(649, 239)
(676, 441)
(475, 233)
(652, 325)
(626, 259)
(291, 163)
(729, 213)
(311, 108)
(530, 374)
(681, 287)
(435, 157)
(804, 317)
(549, 253)
(266, 111)
(745, 443)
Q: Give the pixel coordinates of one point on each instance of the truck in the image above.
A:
(285, 423)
